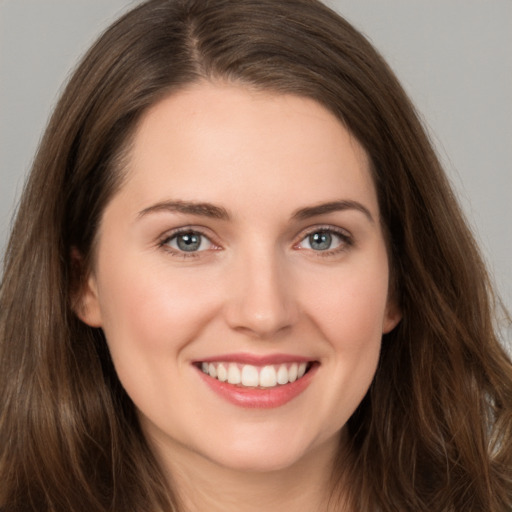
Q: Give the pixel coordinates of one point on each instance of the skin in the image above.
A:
(257, 285)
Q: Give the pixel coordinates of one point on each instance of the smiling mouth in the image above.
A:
(252, 376)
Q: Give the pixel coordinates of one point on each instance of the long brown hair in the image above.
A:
(434, 432)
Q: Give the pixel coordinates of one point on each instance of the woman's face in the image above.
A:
(244, 249)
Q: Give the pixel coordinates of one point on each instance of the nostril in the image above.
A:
(260, 300)
(247, 317)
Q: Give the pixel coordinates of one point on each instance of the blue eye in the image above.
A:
(324, 240)
(321, 241)
(189, 241)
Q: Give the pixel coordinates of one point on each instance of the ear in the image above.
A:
(85, 293)
(392, 316)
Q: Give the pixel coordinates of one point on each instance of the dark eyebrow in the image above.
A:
(333, 206)
(189, 207)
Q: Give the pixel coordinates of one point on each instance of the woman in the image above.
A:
(239, 280)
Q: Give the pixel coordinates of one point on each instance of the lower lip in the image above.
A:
(259, 398)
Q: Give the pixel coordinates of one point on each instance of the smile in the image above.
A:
(257, 382)
(252, 376)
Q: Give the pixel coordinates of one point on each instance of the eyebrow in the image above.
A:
(188, 207)
(333, 206)
(218, 212)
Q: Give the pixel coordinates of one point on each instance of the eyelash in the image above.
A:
(346, 241)
(186, 230)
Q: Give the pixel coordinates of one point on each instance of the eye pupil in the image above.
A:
(188, 242)
(320, 241)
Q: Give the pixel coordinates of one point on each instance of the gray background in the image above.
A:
(453, 57)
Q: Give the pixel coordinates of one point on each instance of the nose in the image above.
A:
(262, 302)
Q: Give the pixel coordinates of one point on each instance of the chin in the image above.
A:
(269, 454)
(259, 461)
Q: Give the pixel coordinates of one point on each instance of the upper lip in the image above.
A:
(256, 359)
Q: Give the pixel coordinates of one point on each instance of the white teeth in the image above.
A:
(222, 373)
(268, 377)
(292, 372)
(212, 371)
(283, 376)
(249, 375)
(233, 374)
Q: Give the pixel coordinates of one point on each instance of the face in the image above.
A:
(241, 277)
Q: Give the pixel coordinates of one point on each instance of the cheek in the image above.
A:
(351, 307)
(150, 315)
(350, 312)
(153, 310)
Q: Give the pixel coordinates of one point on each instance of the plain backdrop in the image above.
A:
(454, 57)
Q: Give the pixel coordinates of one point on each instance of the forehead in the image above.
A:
(209, 141)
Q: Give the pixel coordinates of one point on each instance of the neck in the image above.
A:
(204, 485)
